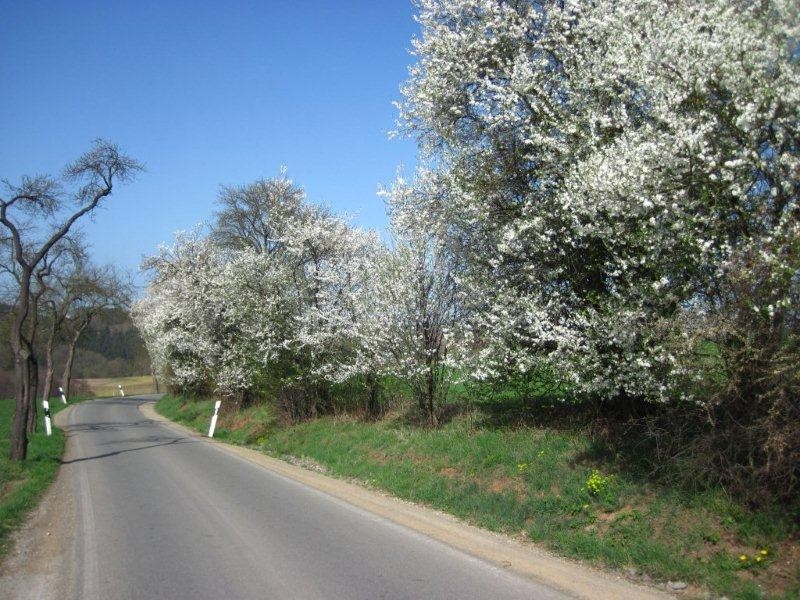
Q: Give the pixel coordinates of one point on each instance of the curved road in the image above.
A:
(161, 515)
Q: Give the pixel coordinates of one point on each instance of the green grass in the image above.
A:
(532, 481)
(22, 484)
(247, 428)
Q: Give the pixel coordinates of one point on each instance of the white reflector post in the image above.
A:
(121, 391)
(63, 397)
(47, 426)
(214, 418)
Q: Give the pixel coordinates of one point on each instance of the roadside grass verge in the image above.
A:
(247, 428)
(555, 486)
(22, 484)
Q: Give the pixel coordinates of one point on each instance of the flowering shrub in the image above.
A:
(598, 485)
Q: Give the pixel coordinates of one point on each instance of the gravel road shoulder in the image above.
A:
(44, 548)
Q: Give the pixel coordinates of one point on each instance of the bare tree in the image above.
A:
(43, 276)
(67, 248)
(96, 290)
(36, 215)
(67, 287)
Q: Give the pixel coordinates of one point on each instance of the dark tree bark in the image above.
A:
(56, 322)
(22, 352)
(19, 438)
(66, 377)
(33, 387)
(33, 328)
(49, 363)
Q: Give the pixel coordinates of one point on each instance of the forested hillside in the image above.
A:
(110, 347)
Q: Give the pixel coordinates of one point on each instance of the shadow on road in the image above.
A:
(108, 426)
(117, 452)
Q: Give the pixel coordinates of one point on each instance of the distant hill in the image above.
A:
(110, 347)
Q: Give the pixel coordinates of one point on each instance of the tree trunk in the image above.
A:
(321, 401)
(27, 392)
(246, 398)
(33, 362)
(33, 387)
(67, 374)
(430, 393)
(19, 433)
(155, 379)
(49, 364)
(420, 399)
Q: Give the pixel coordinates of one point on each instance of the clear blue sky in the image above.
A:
(206, 94)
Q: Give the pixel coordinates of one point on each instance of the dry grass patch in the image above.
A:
(106, 387)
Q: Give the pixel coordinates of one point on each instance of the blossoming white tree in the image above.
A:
(606, 187)
(187, 313)
(621, 181)
(602, 164)
(275, 301)
(300, 302)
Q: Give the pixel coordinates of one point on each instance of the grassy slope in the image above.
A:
(533, 481)
(22, 484)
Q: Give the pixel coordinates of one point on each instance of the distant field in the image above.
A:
(103, 387)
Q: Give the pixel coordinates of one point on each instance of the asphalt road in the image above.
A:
(161, 515)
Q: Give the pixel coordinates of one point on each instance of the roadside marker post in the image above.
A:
(47, 426)
(214, 418)
(63, 397)
(121, 391)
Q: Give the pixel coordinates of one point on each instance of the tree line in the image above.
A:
(607, 190)
(53, 289)
(281, 294)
